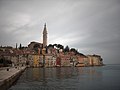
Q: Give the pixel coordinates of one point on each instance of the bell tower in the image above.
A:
(45, 36)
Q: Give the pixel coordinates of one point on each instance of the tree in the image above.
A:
(73, 50)
(46, 50)
(66, 49)
(16, 45)
(55, 45)
(20, 47)
(50, 45)
(60, 46)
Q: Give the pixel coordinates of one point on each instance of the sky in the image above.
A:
(91, 26)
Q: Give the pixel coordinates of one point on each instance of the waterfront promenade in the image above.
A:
(8, 75)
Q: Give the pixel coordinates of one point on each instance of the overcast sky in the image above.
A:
(91, 26)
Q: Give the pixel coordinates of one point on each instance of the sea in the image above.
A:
(70, 78)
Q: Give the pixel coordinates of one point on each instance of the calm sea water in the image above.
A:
(70, 78)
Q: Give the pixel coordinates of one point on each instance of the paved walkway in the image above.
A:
(4, 74)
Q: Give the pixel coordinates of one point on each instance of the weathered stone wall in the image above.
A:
(7, 83)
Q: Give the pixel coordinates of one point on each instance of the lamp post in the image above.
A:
(43, 53)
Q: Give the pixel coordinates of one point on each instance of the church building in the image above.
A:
(35, 45)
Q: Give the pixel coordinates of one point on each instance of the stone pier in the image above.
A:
(8, 76)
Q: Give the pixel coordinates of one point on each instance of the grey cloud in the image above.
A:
(92, 26)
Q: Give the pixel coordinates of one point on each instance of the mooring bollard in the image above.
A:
(7, 69)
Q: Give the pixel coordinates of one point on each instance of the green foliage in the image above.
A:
(67, 49)
(50, 45)
(59, 46)
(20, 47)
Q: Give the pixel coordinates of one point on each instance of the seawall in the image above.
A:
(7, 78)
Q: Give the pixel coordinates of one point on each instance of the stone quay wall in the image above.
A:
(9, 76)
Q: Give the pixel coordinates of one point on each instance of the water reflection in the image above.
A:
(49, 74)
(67, 78)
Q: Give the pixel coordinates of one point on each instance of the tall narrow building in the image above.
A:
(45, 36)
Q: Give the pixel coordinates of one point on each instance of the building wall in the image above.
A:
(36, 60)
(14, 60)
(30, 60)
(50, 60)
(94, 60)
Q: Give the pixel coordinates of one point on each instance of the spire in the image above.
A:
(45, 29)
(45, 36)
(45, 25)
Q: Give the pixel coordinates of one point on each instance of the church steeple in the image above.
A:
(45, 36)
(45, 29)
